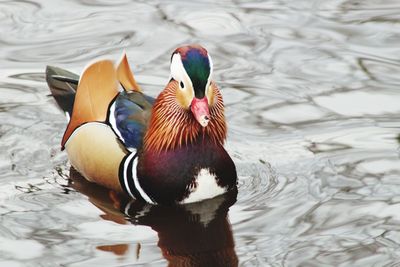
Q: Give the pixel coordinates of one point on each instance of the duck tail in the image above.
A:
(63, 85)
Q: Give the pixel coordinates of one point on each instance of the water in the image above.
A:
(312, 102)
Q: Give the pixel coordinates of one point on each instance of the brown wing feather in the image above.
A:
(125, 76)
(96, 89)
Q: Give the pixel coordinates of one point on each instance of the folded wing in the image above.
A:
(129, 116)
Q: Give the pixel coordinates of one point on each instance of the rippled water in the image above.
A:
(313, 107)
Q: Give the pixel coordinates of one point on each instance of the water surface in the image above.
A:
(312, 102)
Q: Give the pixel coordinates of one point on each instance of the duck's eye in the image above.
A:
(181, 85)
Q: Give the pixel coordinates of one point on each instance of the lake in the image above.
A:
(312, 97)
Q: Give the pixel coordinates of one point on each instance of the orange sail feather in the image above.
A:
(97, 87)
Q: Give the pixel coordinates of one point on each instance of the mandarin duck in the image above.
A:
(164, 150)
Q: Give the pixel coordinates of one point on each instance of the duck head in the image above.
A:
(191, 67)
(190, 108)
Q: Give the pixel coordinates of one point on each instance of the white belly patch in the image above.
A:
(206, 188)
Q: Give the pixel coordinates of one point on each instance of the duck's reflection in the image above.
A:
(197, 234)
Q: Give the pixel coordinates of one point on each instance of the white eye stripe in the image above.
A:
(178, 72)
(211, 69)
(211, 73)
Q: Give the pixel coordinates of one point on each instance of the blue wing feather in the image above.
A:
(131, 114)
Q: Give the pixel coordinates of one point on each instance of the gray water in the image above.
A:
(313, 107)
